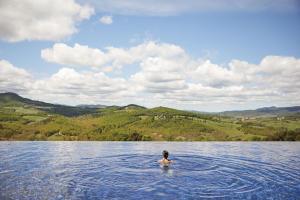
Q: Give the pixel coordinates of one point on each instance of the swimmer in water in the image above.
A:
(165, 161)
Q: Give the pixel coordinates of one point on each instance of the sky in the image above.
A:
(187, 54)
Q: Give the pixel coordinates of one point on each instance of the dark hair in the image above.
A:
(165, 154)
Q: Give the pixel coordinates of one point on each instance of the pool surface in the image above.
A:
(129, 170)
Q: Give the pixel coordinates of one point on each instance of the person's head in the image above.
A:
(165, 154)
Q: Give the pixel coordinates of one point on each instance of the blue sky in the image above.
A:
(216, 33)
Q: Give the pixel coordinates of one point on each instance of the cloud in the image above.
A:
(76, 87)
(13, 79)
(81, 55)
(174, 7)
(167, 75)
(78, 55)
(161, 75)
(66, 86)
(69, 81)
(40, 20)
(106, 20)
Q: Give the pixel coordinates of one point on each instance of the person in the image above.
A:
(165, 161)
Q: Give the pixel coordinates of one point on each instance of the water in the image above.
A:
(129, 170)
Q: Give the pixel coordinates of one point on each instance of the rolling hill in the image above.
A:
(25, 119)
(11, 99)
(264, 112)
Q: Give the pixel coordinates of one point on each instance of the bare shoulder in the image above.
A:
(166, 161)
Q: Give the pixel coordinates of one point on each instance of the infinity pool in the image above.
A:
(129, 170)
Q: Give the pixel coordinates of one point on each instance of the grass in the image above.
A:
(34, 118)
(159, 124)
(24, 110)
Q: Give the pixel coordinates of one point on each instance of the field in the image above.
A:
(133, 123)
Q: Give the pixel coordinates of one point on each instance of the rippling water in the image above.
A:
(129, 170)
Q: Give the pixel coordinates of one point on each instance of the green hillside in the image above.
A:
(14, 100)
(264, 112)
(24, 119)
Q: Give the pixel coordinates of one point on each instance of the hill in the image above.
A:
(264, 112)
(91, 106)
(13, 100)
(132, 107)
(25, 119)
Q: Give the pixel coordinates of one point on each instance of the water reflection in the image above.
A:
(166, 169)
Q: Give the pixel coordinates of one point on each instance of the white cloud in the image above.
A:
(40, 20)
(174, 7)
(161, 75)
(66, 86)
(106, 20)
(13, 79)
(78, 55)
(69, 81)
(166, 75)
(81, 55)
(77, 87)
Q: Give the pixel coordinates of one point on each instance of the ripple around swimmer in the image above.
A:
(207, 176)
(235, 176)
(34, 175)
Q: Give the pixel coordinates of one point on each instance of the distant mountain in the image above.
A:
(26, 119)
(131, 107)
(264, 112)
(91, 106)
(11, 99)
